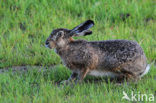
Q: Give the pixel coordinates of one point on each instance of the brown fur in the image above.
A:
(123, 57)
(71, 39)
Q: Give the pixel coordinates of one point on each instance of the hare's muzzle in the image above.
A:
(47, 44)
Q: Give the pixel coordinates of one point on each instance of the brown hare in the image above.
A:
(121, 59)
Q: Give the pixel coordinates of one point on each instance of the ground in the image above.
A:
(25, 25)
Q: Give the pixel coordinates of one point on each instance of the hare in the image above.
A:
(121, 59)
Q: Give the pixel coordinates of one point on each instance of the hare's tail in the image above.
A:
(146, 70)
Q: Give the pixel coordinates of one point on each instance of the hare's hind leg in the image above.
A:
(127, 77)
(132, 78)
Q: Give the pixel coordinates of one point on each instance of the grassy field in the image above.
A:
(25, 25)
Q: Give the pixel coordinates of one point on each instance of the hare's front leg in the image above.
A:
(73, 76)
(81, 75)
(71, 79)
(76, 77)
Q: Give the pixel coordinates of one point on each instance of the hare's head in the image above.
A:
(60, 37)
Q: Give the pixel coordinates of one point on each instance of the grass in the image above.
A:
(42, 87)
(25, 25)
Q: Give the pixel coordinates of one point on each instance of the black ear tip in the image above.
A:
(88, 33)
(90, 21)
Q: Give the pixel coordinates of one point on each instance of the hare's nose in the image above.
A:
(47, 43)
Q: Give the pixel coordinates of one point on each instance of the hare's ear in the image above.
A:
(82, 29)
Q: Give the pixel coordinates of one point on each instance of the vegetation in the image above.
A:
(25, 25)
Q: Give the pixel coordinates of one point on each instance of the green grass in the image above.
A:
(42, 87)
(25, 25)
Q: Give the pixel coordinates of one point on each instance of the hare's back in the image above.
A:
(116, 46)
(116, 52)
